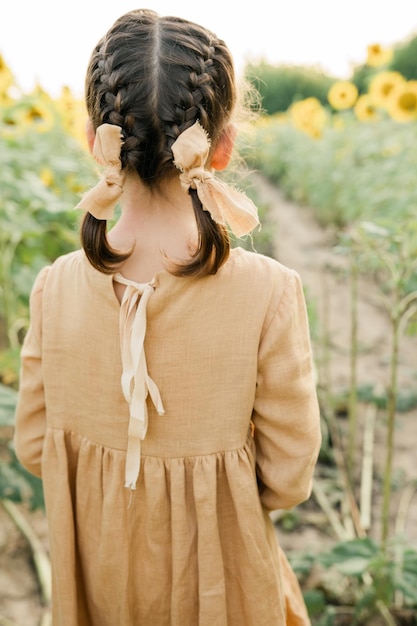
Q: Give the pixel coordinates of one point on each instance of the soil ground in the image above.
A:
(301, 244)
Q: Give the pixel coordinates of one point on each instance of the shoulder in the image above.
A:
(270, 284)
(257, 284)
(68, 261)
(60, 264)
(255, 262)
(68, 267)
(258, 271)
(60, 271)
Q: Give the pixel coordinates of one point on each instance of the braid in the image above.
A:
(155, 77)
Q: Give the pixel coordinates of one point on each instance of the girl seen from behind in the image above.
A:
(167, 397)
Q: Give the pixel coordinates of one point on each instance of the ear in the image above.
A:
(90, 134)
(223, 151)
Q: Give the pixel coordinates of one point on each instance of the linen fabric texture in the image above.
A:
(193, 545)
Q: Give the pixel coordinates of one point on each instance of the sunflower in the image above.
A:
(402, 104)
(73, 115)
(365, 110)
(66, 104)
(39, 92)
(47, 176)
(6, 77)
(37, 115)
(5, 100)
(377, 55)
(308, 116)
(381, 86)
(342, 94)
(9, 122)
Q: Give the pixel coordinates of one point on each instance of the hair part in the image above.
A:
(155, 77)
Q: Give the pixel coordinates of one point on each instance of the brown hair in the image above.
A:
(155, 77)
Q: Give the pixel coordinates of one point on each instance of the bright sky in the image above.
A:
(50, 41)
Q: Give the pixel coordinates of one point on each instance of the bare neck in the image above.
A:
(158, 225)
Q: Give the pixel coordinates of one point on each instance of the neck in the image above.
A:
(158, 225)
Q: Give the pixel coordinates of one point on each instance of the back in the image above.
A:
(202, 342)
(224, 351)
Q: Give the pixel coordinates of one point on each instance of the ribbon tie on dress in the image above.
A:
(225, 204)
(101, 200)
(136, 382)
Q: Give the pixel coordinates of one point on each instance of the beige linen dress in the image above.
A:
(193, 544)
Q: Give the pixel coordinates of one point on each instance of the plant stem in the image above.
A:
(385, 614)
(367, 467)
(323, 501)
(40, 558)
(404, 506)
(353, 366)
(7, 252)
(402, 512)
(46, 619)
(325, 344)
(340, 462)
(391, 411)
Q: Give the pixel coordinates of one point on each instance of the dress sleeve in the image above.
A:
(30, 417)
(286, 412)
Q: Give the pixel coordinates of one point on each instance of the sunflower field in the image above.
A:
(43, 169)
(353, 162)
(350, 156)
(44, 166)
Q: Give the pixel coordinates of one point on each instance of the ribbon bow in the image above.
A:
(225, 204)
(101, 200)
(136, 382)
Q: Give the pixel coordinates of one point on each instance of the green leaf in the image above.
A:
(315, 601)
(8, 400)
(353, 566)
(407, 583)
(365, 547)
(351, 558)
(410, 560)
(12, 485)
(367, 601)
(17, 484)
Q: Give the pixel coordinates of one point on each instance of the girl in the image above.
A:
(167, 399)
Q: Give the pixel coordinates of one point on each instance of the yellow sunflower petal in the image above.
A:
(402, 103)
(37, 115)
(381, 86)
(342, 94)
(365, 110)
(47, 176)
(309, 116)
(378, 55)
(6, 77)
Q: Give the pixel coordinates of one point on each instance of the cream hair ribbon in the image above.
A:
(136, 382)
(225, 204)
(102, 199)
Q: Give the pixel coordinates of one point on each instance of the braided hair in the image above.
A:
(155, 77)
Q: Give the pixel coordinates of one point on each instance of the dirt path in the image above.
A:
(302, 245)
